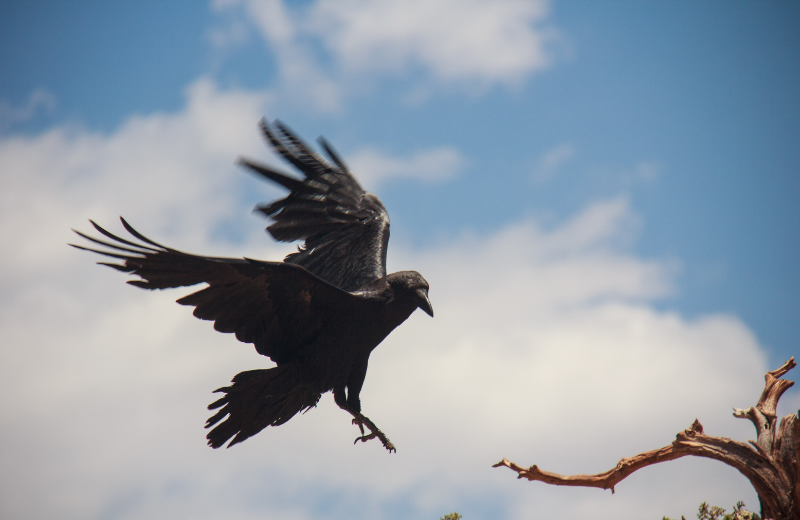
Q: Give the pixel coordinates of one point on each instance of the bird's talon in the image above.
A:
(362, 421)
(360, 426)
(365, 438)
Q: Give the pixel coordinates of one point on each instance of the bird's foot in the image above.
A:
(361, 421)
(360, 426)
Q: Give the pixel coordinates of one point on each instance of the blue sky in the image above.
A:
(705, 92)
(659, 141)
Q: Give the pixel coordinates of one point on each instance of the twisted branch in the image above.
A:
(771, 463)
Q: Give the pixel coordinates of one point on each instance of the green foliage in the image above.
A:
(451, 516)
(706, 512)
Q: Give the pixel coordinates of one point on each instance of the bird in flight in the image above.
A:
(318, 314)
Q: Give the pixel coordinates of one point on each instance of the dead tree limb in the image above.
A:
(771, 463)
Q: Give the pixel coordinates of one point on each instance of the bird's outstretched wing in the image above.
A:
(278, 307)
(346, 229)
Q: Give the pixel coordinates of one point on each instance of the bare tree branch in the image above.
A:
(771, 463)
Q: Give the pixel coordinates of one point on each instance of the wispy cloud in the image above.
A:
(302, 78)
(228, 36)
(623, 177)
(327, 51)
(433, 165)
(39, 100)
(454, 40)
(551, 161)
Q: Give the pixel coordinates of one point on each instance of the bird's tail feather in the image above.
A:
(257, 399)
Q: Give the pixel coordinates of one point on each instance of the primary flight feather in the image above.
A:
(318, 314)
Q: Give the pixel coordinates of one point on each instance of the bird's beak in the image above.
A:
(424, 302)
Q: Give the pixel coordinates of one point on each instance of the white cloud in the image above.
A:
(436, 164)
(546, 348)
(301, 78)
(327, 51)
(492, 42)
(143, 170)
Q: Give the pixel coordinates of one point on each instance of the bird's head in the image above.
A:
(412, 285)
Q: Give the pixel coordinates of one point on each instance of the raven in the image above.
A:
(318, 314)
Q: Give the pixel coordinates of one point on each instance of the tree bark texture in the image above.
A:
(771, 463)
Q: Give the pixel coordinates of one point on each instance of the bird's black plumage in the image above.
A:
(318, 314)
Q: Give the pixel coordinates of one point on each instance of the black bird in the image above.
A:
(318, 314)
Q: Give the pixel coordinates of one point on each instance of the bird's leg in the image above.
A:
(353, 407)
(341, 401)
(360, 427)
(362, 420)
